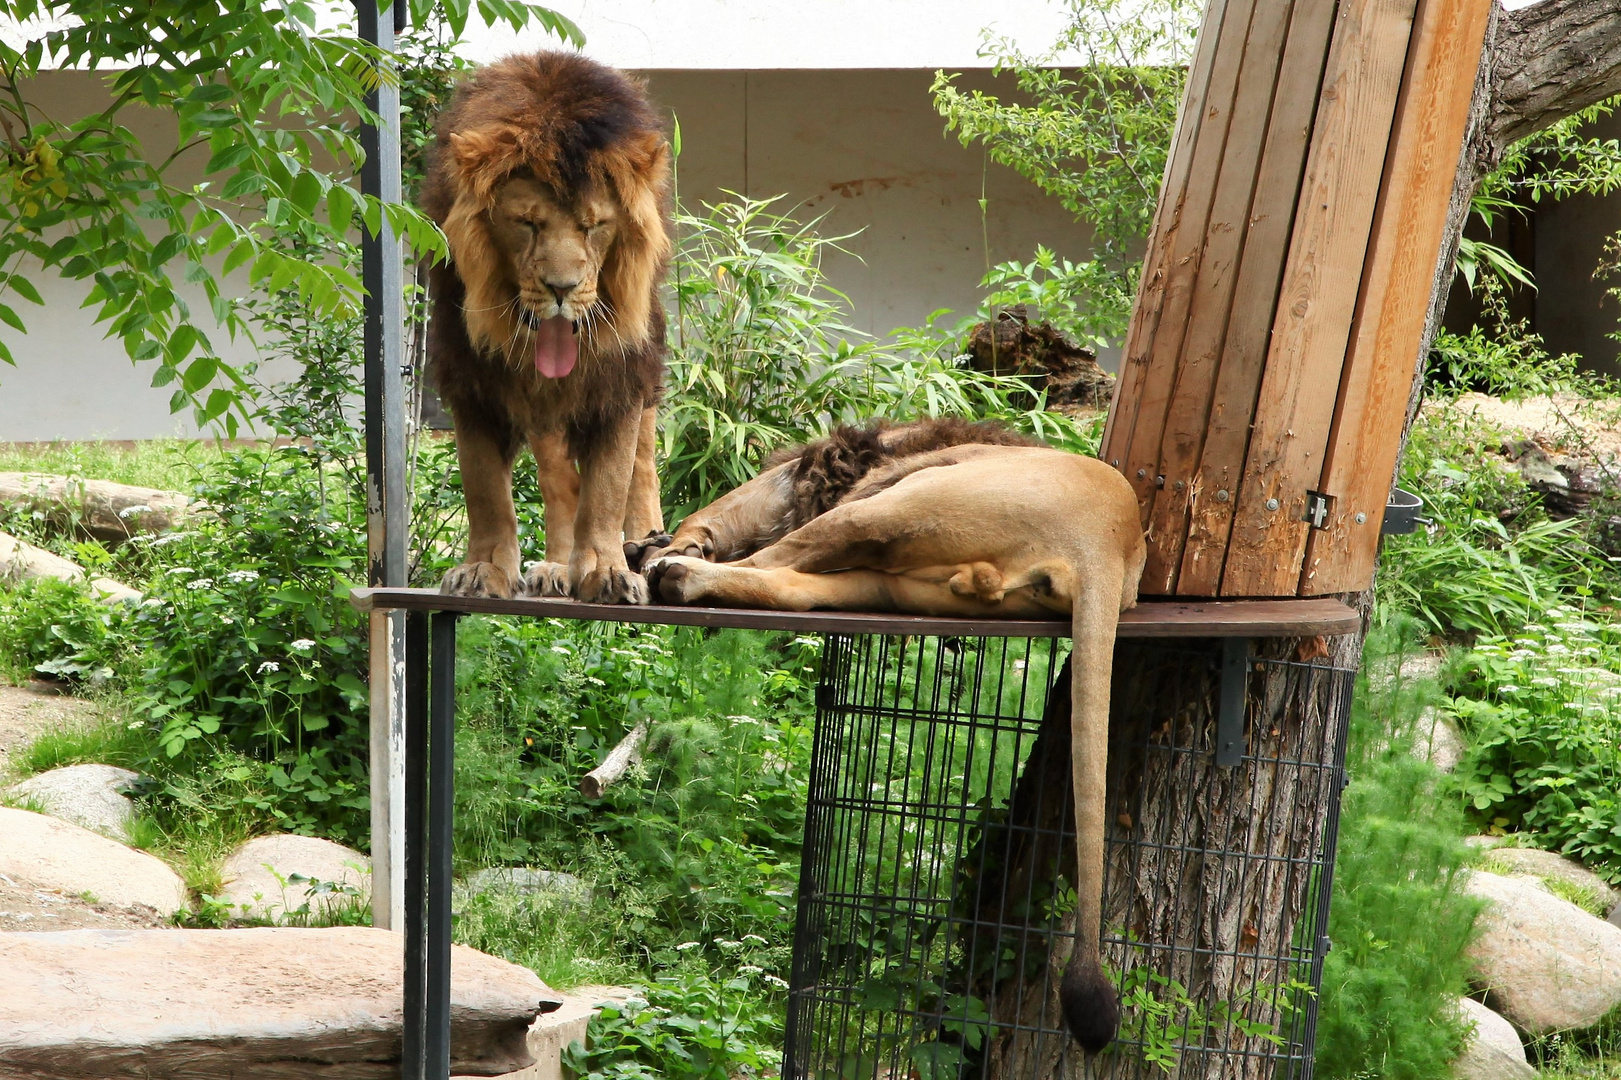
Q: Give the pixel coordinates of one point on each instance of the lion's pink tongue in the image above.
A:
(556, 347)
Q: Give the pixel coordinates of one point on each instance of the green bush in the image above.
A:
(1544, 743)
(1400, 920)
(56, 629)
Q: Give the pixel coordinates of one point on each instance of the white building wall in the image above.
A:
(863, 146)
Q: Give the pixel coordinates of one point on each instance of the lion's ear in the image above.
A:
(484, 155)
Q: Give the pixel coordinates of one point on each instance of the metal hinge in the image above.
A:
(1317, 509)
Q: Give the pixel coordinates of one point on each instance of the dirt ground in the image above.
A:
(23, 907)
(1565, 422)
(26, 711)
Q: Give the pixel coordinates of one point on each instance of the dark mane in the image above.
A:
(829, 468)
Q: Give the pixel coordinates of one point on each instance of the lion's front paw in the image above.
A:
(546, 579)
(676, 579)
(612, 585)
(477, 579)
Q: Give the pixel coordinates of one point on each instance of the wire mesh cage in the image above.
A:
(938, 873)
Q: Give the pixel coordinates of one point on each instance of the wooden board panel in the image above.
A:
(1145, 309)
(1249, 325)
(1160, 314)
(1409, 228)
(1150, 619)
(1222, 251)
(1318, 298)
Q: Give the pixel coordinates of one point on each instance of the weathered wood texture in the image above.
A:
(1318, 298)
(1152, 619)
(1138, 416)
(1408, 232)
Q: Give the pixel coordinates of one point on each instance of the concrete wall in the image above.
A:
(863, 146)
(1572, 313)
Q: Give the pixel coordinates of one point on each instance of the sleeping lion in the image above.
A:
(942, 517)
(550, 177)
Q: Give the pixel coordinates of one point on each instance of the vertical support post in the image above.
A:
(386, 501)
(1235, 662)
(413, 878)
(441, 813)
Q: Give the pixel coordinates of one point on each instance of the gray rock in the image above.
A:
(523, 879)
(256, 877)
(1544, 963)
(552, 1033)
(272, 1003)
(1494, 1051)
(1551, 866)
(88, 795)
(1438, 741)
(48, 853)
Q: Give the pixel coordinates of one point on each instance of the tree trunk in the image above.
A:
(1543, 63)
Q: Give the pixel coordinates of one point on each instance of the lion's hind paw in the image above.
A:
(610, 585)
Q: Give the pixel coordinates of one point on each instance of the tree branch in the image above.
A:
(1550, 60)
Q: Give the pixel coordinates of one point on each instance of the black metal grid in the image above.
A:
(932, 924)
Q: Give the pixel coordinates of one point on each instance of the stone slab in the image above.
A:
(268, 1003)
(552, 1033)
(88, 795)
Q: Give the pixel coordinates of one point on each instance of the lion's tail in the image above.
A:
(1090, 1006)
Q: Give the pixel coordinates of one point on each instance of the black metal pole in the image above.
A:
(415, 1023)
(441, 811)
(387, 504)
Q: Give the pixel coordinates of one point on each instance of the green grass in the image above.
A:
(566, 942)
(158, 463)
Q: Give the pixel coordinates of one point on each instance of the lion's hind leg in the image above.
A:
(681, 579)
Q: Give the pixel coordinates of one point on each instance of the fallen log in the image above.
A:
(614, 766)
(100, 508)
(22, 561)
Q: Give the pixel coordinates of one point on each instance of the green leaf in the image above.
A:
(340, 207)
(11, 319)
(306, 192)
(24, 288)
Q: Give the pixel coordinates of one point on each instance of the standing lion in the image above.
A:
(550, 177)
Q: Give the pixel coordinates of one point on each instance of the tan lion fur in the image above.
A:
(944, 518)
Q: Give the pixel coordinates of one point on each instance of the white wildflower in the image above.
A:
(200, 584)
(269, 665)
(780, 984)
(303, 644)
(240, 576)
(756, 937)
(686, 945)
(751, 969)
(181, 570)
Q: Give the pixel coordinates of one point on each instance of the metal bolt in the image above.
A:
(1272, 504)
(1180, 484)
(1115, 463)
(1141, 473)
(1361, 518)
(1159, 481)
(1222, 495)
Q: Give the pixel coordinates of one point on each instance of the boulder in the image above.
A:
(552, 1033)
(1544, 963)
(88, 795)
(1494, 1051)
(105, 510)
(522, 879)
(48, 853)
(269, 1003)
(256, 877)
(22, 561)
(1438, 741)
(1551, 866)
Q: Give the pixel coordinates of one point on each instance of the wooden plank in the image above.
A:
(1167, 213)
(1222, 250)
(1431, 121)
(1249, 326)
(1150, 619)
(1318, 298)
(1154, 348)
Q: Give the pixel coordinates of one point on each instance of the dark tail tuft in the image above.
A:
(1091, 1010)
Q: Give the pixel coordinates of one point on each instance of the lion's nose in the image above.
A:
(561, 289)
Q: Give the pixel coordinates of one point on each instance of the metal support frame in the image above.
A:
(387, 502)
(430, 749)
(1235, 662)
